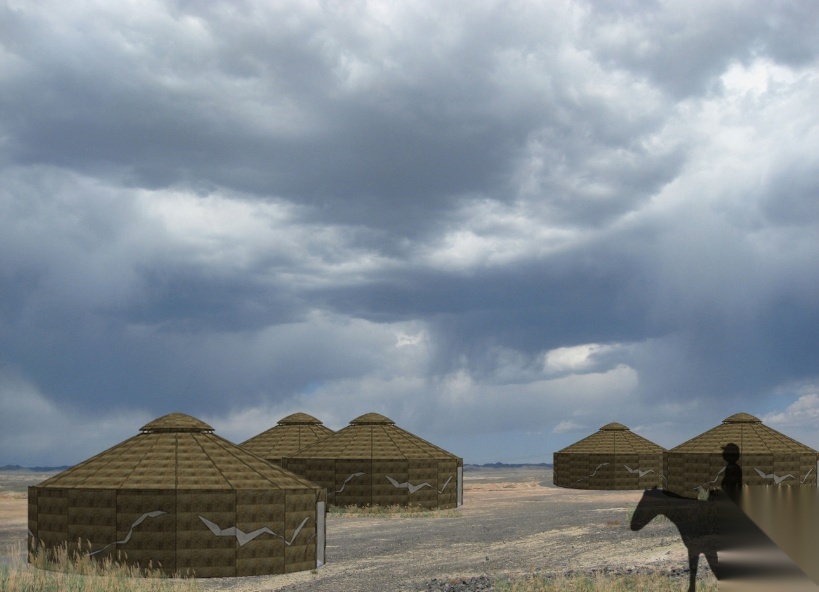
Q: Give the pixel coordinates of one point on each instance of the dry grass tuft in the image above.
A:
(64, 571)
(393, 511)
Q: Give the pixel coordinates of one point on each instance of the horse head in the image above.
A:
(648, 508)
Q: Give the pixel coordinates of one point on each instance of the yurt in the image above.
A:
(614, 457)
(180, 497)
(291, 434)
(374, 462)
(765, 456)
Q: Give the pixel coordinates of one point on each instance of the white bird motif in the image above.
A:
(595, 471)
(347, 480)
(776, 479)
(127, 538)
(638, 471)
(246, 537)
(409, 486)
(445, 484)
(714, 480)
(806, 476)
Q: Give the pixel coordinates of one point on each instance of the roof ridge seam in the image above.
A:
(394, 443)
(205, 452)
(228, 449)
(426, 442)
(136, 464)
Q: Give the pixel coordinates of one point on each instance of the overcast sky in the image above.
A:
(500, 224)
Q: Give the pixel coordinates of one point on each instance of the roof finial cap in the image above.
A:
(372, 419)
(176, 422)
(299, 419)
(614, 427)
(742, 418)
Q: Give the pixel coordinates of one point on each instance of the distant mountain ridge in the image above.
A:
(498, 465)
(34, 469)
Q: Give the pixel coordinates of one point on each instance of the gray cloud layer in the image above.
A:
(501, 225)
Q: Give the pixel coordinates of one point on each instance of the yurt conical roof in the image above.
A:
(614, 438)
(373, 436)
(179, 496)
(611, 458)
(291, 434)
(176, 451)
(746, 431)
(374, 462)
(765, 457)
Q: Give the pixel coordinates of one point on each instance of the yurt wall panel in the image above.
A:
(623, 478)
(384, 492)
(579, 471)
(578, 474)
(567, 470)
(32, 518)
(424, 471)
(299, 558)
(561, 474)
(261, 557)
(300, 466)
(197, 544)
(300, 530)
(807, 468)
(599, 472)
(52, 516)
(651, 462)
(152, 538)
(767, 463)
(321, 472)
(590, 474)
(673, 469)
(256, 509)
(92, 517)
(562, 468)
(448, 483)
(693, 471)
(350, 488)
(585, 469)
(260, 505)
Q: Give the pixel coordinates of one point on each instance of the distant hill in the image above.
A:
(33, 469)
(498, 465)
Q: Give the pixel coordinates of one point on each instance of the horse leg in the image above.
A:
(713, 562)
(693, 560)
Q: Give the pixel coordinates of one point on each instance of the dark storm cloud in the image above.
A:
(686, 49)
(387, 128)
(512, 218)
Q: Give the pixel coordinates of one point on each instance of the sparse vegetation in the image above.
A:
(657, 519)
(64, 571)
(393, 511)
(602, 582)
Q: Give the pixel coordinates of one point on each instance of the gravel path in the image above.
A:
(508, 530)
(511, 524)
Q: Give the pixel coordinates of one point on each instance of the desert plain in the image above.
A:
(513, 522)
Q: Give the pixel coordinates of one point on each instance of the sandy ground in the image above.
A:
(512, 522)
